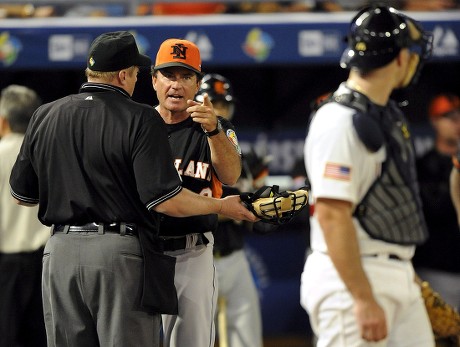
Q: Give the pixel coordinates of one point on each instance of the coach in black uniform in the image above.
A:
(206, 154)
(90, 163)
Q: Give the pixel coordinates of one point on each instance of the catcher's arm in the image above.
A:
(335, 219)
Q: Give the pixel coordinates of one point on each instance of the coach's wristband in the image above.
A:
(215, 131)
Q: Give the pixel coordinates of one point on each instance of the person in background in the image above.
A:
(238, 298)
(358, 284)
(454, 188)
(406, 5)
(300, 222)
(22, 236)
(433, 5)
(206, 155)
(159, 8)
(298, 174)
(100, 167)
(438, 260)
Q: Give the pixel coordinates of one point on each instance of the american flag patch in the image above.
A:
(337, 171)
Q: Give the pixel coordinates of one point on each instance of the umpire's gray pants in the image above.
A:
(91, 292)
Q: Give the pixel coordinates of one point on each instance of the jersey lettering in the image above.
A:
(177, 163)
(190, 170)
(199, 170)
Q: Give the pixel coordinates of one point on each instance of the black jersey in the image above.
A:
(100, 157)
(441, 251)
(229, 235)
(192, 159)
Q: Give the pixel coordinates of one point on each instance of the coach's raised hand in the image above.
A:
(203, 113)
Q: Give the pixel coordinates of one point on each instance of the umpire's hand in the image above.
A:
(233, 207)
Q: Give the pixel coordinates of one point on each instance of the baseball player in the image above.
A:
(238, 297)
(100, 167)
(433, 170)
(454, 186)
(358, 284)
(22, 236)
(206, 154)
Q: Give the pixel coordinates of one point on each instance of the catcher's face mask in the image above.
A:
(273, 206)
(420, 45)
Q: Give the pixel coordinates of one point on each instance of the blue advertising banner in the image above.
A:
(285, 148)
(224, 40)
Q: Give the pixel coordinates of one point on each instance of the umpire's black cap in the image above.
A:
(115, 51)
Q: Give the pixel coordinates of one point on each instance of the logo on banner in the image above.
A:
(74, 47)
(68, 47)
(445, 43)
(258, 45)
(10, 47)
(316, 43)
(203, 43)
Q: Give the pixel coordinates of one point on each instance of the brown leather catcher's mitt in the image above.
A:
(445, 320)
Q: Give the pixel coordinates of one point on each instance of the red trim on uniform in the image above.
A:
(216, 187)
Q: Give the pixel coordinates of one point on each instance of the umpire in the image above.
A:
(99, 166)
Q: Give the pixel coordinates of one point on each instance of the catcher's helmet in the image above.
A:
(378, 33)
(217, 87)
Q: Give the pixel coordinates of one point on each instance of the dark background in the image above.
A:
(270, 98)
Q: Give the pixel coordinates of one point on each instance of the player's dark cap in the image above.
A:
(217, 87)
(177, 52)
(254, 165)
(115, 51)
(444, 105)
(378, 33)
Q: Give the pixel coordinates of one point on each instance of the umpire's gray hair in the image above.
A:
(17, 105)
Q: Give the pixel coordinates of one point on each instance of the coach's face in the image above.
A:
(174, 86)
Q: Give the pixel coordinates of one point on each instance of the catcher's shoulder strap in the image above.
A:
(365, 119)
(262, 192)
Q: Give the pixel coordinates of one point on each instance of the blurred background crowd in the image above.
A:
(114, 8)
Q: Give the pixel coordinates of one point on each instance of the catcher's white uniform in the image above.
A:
(340, 167)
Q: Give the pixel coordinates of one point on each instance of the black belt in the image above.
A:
(388, 256)
(177, 243)
(114, 228)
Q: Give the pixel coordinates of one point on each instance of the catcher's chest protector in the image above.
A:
(391, 210)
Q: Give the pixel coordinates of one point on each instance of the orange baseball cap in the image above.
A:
(177, 52)
(443, 104)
